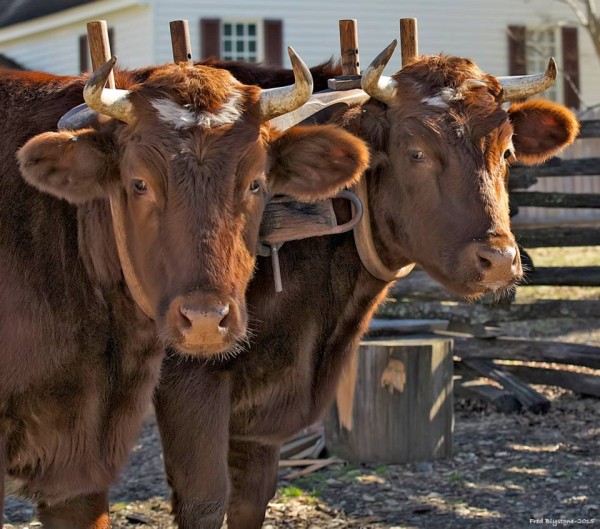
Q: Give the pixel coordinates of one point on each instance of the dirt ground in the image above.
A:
(507, 472)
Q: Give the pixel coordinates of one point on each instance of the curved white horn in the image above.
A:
(379, 87)
(278, 101)
(522, 86)
(109, 101)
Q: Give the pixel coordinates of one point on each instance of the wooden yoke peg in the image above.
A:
(409, 40)
(99, 44)
(350, 77)
(180, 41)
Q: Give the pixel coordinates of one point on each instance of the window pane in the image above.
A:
(227, 57)
(227, 45)
(252, 59)
(239, 46)
(252, 46)
(252, 29)
(227, 29)
(239, 29)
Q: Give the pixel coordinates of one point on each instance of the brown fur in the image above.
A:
(221, 451)
(78, 358)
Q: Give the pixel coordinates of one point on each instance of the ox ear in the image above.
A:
(75, 166)
(542, 129)
(312, 163)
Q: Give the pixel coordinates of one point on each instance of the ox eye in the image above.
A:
(139, 186)
(254, 186)
(417, 156)
(507, 154)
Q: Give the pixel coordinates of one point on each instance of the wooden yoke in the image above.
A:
(409, 40)
(180, 41)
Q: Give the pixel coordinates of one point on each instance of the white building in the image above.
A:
(508, 37)
(45, 34)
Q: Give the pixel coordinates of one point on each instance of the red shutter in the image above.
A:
(517, 55)
(84, 54)
(570, 53)
(273, 30)
(210, 38)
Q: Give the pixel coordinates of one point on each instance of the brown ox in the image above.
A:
(440, 145)
(156, 239)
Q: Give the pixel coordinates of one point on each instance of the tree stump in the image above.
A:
(394, 403)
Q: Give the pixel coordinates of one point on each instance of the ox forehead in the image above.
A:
(186, 160)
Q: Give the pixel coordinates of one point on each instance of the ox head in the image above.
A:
(442, 143)
(187, 159)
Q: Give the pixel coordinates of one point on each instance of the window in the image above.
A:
(242, 40)
(540, 44)
(529, 49)
(239, 41)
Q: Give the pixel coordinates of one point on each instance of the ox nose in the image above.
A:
(207, 320)
(498, 265)
(205, 323)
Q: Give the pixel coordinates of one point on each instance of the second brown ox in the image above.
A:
(441, 143)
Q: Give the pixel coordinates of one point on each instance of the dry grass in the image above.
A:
(575, 256)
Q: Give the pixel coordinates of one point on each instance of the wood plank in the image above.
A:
(590, 128)
(557, 236)
(381, 327)
(502, 400)
(559, 167)
(574, 276)
(180, 41)
(520, 181)
(490, 314)
(297, 445)
(511, 348)
(555, 200)
(527, 396)
(580, 383)
(313, 468)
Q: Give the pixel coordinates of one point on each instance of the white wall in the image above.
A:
(57, 50)
(472, 28)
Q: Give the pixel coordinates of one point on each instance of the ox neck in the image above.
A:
(132, 281)
(365, 244)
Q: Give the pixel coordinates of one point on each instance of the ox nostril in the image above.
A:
(224, 312)
(184, 320)
(484, 262)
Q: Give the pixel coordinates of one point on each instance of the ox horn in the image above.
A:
(275, 102)
(108, 101)
(380, 87)
(522, 86)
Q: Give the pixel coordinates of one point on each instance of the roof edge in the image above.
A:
(85, 12)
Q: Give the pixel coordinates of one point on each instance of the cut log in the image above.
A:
(558, 236)
(403, 403)
(527, 396)
(580, 383)
(572, 276)
(508, 348)
(555, 200)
